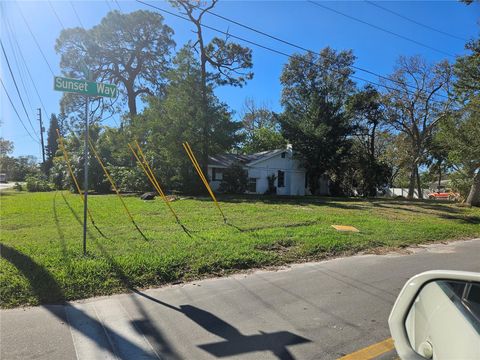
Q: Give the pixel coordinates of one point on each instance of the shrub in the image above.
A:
(37, 183)
(18, 187)
(235, 179)
(272, 189)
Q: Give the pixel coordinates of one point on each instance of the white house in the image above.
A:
(290, 176)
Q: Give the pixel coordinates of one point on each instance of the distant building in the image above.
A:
(3, 178)
(290, 176)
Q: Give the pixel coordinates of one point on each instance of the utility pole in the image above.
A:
(41, 133)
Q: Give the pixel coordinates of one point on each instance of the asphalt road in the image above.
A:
(319, 310)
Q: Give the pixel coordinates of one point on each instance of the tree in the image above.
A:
(365, 108)
(228, 64)
(130, 50)
(235, 179)
(415, 108)
(460, 134)
(314, 95)
(52, 144)
(6, 147)
(177, 117)
(260, 129)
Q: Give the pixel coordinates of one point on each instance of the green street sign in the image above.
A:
(84, 87)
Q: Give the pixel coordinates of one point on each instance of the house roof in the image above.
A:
(225, 160)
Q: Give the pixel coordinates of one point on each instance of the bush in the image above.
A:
(18, 187)
(272, 189)
(235, 179)
(37, 183)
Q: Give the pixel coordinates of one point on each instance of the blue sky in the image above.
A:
(299, 22)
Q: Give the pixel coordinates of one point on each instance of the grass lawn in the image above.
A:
(41, 236)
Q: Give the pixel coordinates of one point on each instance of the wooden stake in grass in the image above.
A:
(107, 174)
(197, 167)
(69, 166)
(151, 176)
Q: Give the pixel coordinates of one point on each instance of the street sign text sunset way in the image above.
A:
(84, 87)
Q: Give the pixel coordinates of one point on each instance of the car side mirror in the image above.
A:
(437, 316)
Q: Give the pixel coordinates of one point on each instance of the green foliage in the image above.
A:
(272, 189)
(177, 118)
(130, 50)
(261, 130)
(264, 139)
(365, 108)
(37, 183)
(130, 179)
(235, 179)
(18, 168)
(18, 187)
(315, 91)
(6, 147)
(52, 145)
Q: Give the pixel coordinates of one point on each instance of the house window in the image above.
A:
(283, 155)
(281, 179)
(217, 174)
(252, 185)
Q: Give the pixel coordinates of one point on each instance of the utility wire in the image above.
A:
(311, 51)
(20, 69)
(36, 42)
(56, 15)
(76, 14)
(263, 46)
(380, 28)
(118, 5)
(16, 87)
(16, 112)
(414, 21)
(9, 28)
(108, 4)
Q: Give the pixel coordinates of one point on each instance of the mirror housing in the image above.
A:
(405, 301)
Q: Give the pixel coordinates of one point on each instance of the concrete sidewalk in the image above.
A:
(310, 311)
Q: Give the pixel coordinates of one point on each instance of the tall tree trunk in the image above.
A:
(411, 184)
(419, 186)
(474, 195)
(132, 104)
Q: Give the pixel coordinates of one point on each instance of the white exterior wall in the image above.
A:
(294, 174)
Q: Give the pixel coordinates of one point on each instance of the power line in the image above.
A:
(26, 67)
(108, 4)
(310, 51)
(380, 28)
(35, 40)
(414, 21)
(76, 14)
(263, 46)
(56, 15)
(20, 70)
(16, 87)
(9, 28)
(16, 112)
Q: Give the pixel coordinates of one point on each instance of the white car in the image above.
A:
(437, 316)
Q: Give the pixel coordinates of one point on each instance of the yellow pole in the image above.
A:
(197, 167)
(152, 179)
(67, 161)
(111, 180)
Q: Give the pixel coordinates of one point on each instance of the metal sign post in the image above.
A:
(85, 186)
(86, 88)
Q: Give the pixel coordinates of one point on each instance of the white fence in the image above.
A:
(394, 192)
